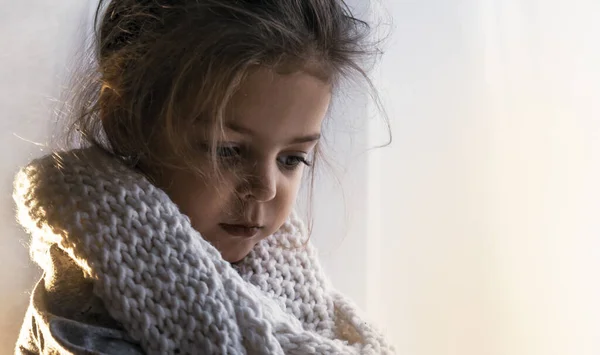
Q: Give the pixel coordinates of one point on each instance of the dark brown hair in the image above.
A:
(161, 65)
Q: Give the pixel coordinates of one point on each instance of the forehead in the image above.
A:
(280, 106)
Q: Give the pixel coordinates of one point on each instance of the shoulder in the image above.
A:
(64, 316)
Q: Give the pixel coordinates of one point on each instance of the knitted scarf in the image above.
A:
(170, 289)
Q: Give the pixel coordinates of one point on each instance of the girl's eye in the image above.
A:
(223, 151)
(291, 162)
(228, 152)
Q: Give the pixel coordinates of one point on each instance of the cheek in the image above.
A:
(196, 197)
(286, 196)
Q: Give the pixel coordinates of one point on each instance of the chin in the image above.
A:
(237, 254)
(234, 251)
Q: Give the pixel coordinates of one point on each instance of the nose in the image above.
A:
(261, 183)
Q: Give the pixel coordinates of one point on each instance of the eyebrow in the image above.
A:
(297, 140)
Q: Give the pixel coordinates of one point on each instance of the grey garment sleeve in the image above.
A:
(65, 317)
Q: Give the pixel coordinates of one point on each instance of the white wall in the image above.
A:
(489, 196)
(38, 39)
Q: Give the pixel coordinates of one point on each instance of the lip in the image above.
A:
(240, 230)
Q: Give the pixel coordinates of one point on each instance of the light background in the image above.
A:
(475, 232)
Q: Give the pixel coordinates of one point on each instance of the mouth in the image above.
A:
(246, 230)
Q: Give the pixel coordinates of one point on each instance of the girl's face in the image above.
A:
(271, 127)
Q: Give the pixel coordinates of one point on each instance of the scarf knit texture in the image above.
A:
(169, 288)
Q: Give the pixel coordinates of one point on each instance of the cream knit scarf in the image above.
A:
(170, 288)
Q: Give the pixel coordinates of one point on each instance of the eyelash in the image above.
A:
(298, 160)
(229, 153)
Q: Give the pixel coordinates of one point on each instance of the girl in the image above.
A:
(172, 230)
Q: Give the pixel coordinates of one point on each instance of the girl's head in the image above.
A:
(220, 102)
